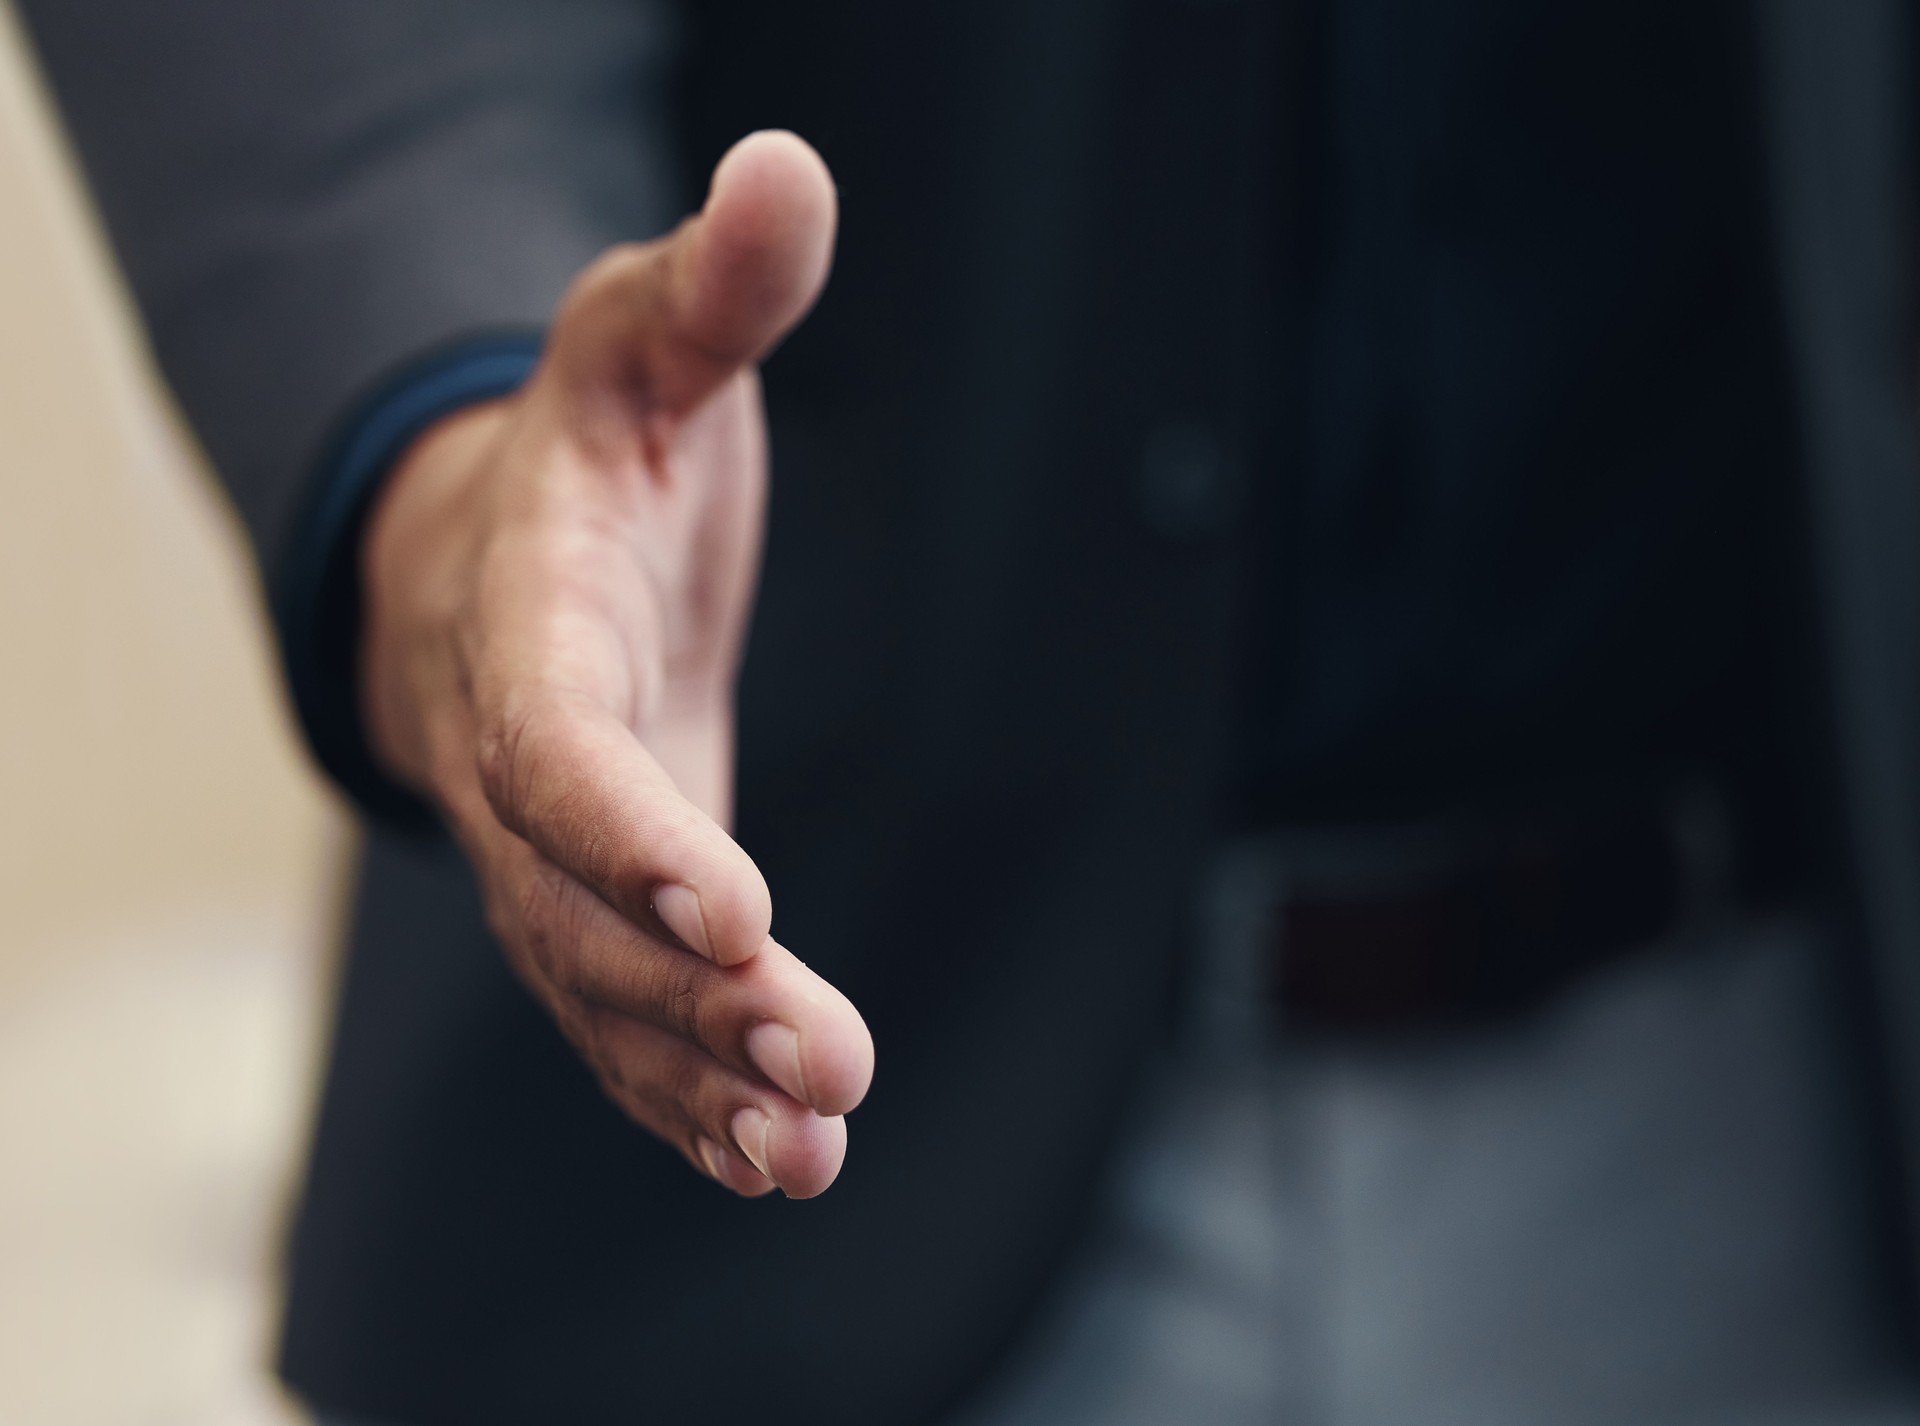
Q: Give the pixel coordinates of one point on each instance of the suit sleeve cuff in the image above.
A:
(316, 596)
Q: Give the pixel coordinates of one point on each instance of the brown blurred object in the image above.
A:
(168, 863)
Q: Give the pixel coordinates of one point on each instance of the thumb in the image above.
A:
(667, 322)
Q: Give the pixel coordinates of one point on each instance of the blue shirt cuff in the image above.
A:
(316, 598)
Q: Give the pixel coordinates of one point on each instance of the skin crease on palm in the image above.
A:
(557, 587)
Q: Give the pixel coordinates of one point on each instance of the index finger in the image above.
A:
(562, 772)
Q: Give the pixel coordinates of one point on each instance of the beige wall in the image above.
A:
(167, 863)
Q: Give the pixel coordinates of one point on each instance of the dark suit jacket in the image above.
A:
(982, 715)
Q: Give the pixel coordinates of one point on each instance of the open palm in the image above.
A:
(557, 588)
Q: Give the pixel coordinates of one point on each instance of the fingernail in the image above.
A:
(750, 1133)
(729, 1169)
(679, 911)
(775, 1051)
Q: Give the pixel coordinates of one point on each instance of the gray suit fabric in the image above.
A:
(305, 196)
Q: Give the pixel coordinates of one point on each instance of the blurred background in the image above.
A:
(169, 866)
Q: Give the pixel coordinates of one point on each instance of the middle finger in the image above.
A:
(770, 1016)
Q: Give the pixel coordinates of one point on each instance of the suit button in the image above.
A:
(1186, 489)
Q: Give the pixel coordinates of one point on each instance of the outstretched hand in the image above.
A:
(556, 588)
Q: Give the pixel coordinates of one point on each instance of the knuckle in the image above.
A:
(549, 915)
(612, 282)
(684, 1011)
(686, 1085)
(524, 765)
(669, 985)
(591, 846)
(507, 745)
(611, 269)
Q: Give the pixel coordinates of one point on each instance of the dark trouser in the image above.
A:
(1644, 1203)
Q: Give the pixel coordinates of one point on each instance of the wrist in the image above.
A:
(317, 583)
(419, 534)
